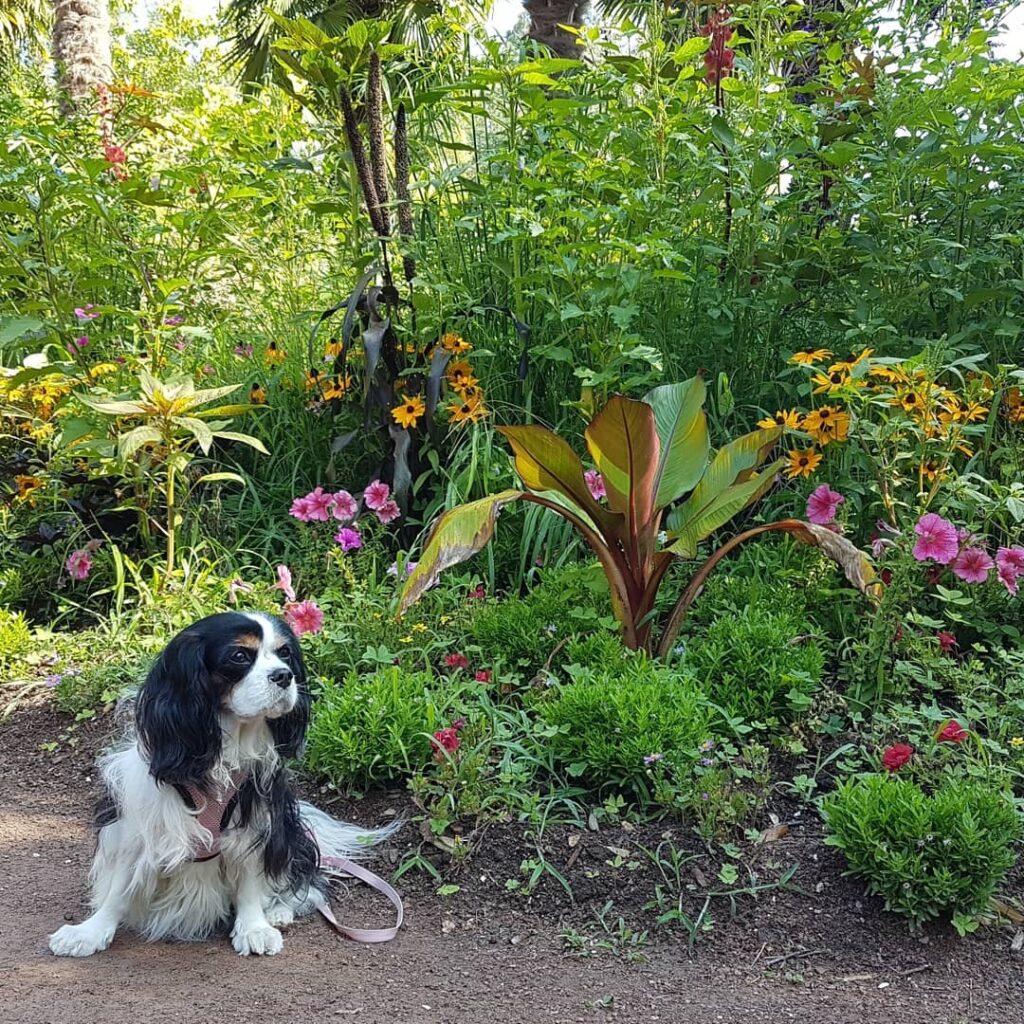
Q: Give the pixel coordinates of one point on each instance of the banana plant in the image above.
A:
(173, 425)
(667, 491)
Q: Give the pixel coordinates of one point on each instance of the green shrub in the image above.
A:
(924, 855)
(751, 663)
(372, 728)
(15, 636)
(525, 632)
(610, 720)
(95, 685)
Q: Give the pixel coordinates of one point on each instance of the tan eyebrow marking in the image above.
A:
(248, 640)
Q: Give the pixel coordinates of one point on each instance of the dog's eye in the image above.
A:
(239, 656)
(285, 653)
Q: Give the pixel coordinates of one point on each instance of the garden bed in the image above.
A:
(818, 951)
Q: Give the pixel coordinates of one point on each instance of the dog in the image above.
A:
(198, 827)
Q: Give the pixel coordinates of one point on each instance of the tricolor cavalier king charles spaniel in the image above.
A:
(198, 826)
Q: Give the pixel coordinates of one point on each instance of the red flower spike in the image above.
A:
(947, 641)
(896, 756)
(483, 675)
(456, 660)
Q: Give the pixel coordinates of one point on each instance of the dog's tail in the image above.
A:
(337, 839)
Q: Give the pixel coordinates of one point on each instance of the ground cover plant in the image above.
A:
(632, 433)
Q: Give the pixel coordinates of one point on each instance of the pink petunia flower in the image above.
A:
(1011, 560)
(78, 564)
(973, 565)
(595, 484)
(85, 312)
(303, 617)
(1008, 578)
(300, 509)
(349, 538)
(284, 582)
(389, 511)
(376, 495)
(236, 587)
(319, 504)
(936, 539)
(823, 504)
(344, 506)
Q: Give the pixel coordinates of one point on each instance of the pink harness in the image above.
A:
(214, 814)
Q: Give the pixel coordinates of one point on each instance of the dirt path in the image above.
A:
(455, 962)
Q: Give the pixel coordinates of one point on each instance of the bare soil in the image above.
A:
(820, 954)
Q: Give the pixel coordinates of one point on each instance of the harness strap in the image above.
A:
(340, 865)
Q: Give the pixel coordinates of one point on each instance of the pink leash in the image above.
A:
(347, 867)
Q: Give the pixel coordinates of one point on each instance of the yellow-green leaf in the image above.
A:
(460, 533)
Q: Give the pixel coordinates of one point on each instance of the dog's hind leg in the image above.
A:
(111, 873)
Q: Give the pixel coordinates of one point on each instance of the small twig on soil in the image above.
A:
(572, 856)
(792, 956)
(764, 946)
(913, 970)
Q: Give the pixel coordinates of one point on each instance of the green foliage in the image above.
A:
(15, 636)
(525, 633)
(757, 664)
(95, 685)
(374, 727)
(925, 855)
(609, 720)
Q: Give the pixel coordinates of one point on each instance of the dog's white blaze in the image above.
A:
(257, 695)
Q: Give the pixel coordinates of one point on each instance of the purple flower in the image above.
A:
(650, 759)
(243, 351)
(78, 343)
(174, 321)
(349, 538)
(53, 680)
(937, 539)
(85, 313)
(595, 484)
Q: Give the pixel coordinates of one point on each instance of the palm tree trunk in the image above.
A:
(81, 51)
(545, 18)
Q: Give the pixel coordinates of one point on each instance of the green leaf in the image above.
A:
(198, 429)
(623, 442)
(460, 533)
(721, 131)
(252, 442)
(683, 434)
(212, 478)
(128, 444)
(18, 327)
(224, 410)
(709, 516)
(731, 464)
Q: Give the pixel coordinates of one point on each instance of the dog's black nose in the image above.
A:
(281, 676)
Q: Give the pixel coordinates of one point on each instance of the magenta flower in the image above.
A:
(349, 538)
(78, 343)
(936, 539)
(595, 484)
(376, 494)
(410, 568)
(823, 504)
(1008, 578)
(319, 504)
(303, 617)
(344, 505)
(174, 321)
(284, 582)
(85, 313)
(243, 351)
(1011, 559)
(300, 510)
(973, 565)
(236, 587)
(389, 511)
(78, 564)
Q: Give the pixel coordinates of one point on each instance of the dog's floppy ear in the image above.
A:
(176, 714)
(289, 731)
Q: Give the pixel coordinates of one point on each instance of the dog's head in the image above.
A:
(230, 666)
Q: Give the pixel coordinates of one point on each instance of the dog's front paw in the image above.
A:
(261, 939)
(80, 939)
